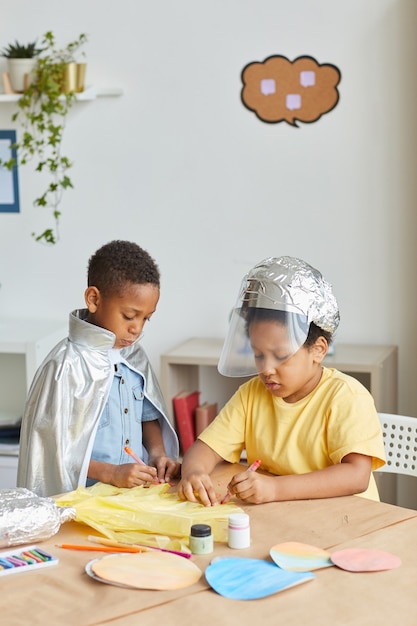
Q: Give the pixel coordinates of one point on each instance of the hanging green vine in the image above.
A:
(42, 111)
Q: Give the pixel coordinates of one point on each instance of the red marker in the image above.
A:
(251, 468)
(254, 466)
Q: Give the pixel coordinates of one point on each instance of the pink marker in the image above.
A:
(251, 468)
(254, 466)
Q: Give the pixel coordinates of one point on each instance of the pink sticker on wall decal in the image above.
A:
(268, 86)
(307, 79)
(293, 101)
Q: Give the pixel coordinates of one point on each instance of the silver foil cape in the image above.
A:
(64, 404)
(291, 282)
(25, 517)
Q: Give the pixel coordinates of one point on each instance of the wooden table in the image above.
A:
(65, 595)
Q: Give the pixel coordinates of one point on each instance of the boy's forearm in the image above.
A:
(196, 484)
(199, 458)
(342, 479)
(152, 438)
(103, 472)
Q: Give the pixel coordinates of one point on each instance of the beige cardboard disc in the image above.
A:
(147, 570)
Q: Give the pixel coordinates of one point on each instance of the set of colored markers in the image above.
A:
(24, 560)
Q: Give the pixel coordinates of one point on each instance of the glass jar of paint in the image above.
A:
(201, 539)
(238, 532)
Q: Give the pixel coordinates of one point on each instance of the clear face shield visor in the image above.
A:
(254, 320)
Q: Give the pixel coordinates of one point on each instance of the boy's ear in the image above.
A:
(92, 297)
(320, 349)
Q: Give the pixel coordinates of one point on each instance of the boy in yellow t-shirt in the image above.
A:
(315, 429)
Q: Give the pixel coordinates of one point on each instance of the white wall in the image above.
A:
(180, 166)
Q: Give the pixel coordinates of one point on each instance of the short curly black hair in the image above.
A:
(119, 263)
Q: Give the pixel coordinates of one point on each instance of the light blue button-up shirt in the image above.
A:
(120, 424)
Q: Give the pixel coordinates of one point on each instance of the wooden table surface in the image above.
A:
(65, 595)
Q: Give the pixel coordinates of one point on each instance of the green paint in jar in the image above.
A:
(201, 539)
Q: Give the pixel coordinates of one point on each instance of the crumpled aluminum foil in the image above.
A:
(292, 282)
(26, 517)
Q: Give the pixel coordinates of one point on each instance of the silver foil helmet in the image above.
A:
(287, 285)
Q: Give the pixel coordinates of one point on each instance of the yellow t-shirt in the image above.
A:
(338, 417)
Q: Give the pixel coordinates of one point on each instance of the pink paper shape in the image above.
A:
(364, 560)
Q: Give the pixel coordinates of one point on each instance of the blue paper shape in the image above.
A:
(250, 579)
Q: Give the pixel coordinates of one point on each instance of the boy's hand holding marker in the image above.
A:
(237, 480)
(197, 486)
(165, 468)
(151, 470)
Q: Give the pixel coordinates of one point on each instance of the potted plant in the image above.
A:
(21, 59)
(42, 111)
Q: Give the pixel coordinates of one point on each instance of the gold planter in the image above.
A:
(74, 77)
(81, 70)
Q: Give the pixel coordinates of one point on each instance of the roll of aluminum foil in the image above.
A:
(26, 517)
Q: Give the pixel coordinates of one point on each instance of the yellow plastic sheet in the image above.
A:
(131, 515)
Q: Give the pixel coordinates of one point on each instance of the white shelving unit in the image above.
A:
(24, 343)
(193, 366)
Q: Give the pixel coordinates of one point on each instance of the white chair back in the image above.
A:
(400, 442)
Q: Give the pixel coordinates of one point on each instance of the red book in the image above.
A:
(204, 415)
(185, 404)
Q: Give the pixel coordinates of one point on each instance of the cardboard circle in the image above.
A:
(250, 579)
(365, 560)
(146, 570)
(89, 571)
(299, 557)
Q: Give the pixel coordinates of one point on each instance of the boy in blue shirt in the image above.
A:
(96, 393)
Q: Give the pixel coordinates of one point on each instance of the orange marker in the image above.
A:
(133, 455)
(251, 468)
(108, 542)
(70, 546)
(138, 460)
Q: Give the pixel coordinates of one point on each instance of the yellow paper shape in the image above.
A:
(116, 512)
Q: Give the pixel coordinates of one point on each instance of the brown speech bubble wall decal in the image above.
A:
(279, 90)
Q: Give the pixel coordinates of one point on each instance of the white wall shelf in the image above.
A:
(89, 93)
